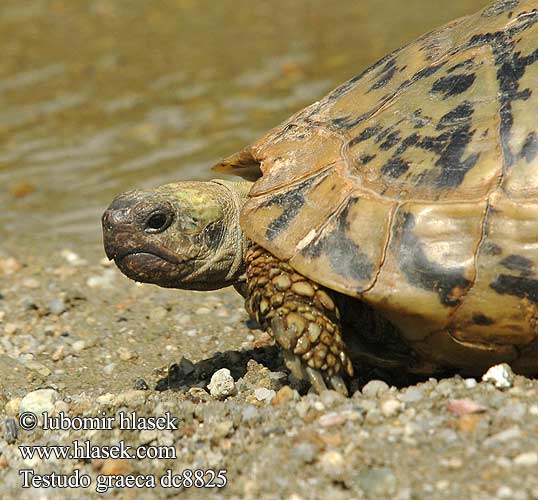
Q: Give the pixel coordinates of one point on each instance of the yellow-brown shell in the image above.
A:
(414, 187)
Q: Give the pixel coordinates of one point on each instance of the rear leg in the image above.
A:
(302, 317)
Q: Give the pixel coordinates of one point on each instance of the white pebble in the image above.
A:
(375, 388)
(391, 407)
(79, 345)
(332, 462)
(72, 258)
(263, 394)
(106, 399)
(222, 384)
(505, 492)
(39, 401)
(331, 419)
(501, 376)
(528, 459)
(104, 280)
(470, 383)
(108, 369)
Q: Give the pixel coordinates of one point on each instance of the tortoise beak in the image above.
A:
(118, 224)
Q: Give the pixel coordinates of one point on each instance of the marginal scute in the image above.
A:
(429, 265)
(347, 251)
(506, 286)
(474, 358)
(281, 220)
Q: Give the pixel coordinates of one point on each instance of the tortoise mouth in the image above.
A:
(144, 258)
(150, 267)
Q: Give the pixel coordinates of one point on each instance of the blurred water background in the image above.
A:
(100, 96)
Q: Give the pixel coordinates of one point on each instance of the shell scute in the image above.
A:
(429, 265)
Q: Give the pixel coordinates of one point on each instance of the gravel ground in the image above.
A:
(80, 340)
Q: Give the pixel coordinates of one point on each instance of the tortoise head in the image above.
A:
(180, 235)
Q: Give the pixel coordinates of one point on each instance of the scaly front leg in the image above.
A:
(301, 316)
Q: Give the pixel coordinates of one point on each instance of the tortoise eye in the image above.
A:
(157, 222)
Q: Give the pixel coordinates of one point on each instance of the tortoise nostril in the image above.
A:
(157, 222)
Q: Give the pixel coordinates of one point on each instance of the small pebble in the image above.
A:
(464, 406)
(412, 395)
(39, 401)
(249, 413)
(103, 280)
(284, 394)
(9, 265)
(10, 430)
(511, 434)
(58, 353)
(38, 367)
(375, 388)
(106, 399)
(331, 398)
(140, 385)
(186, 366)
(126, 354)
(378, 483)
(222, 384)
(501, 376)
(505, 492)
(78, 345)
(57, 306)
(304, 451)
(30, 283)
(470, 383)
(264, 394)
(10, 328)
(73, 258)
(331, 419)
(12, 406)
(332, 462)
(533, 410)
(528, 459)
(130, 398)
(61, 406)
(302, 408)
(109, 369)
(391, 407)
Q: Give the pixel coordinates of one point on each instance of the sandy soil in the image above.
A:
(99, 345)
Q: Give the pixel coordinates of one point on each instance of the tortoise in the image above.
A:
(392, 223)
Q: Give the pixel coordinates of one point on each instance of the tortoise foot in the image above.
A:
(302, 317)
(323, 363)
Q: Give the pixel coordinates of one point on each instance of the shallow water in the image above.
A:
(97, 97)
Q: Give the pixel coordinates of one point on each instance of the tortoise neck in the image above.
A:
(238, 194)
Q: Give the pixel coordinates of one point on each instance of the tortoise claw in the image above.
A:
(316, 379)
(284, 336)
(339, 385)
(294, 364)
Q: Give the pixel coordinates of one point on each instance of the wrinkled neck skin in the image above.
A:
(229, 257)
